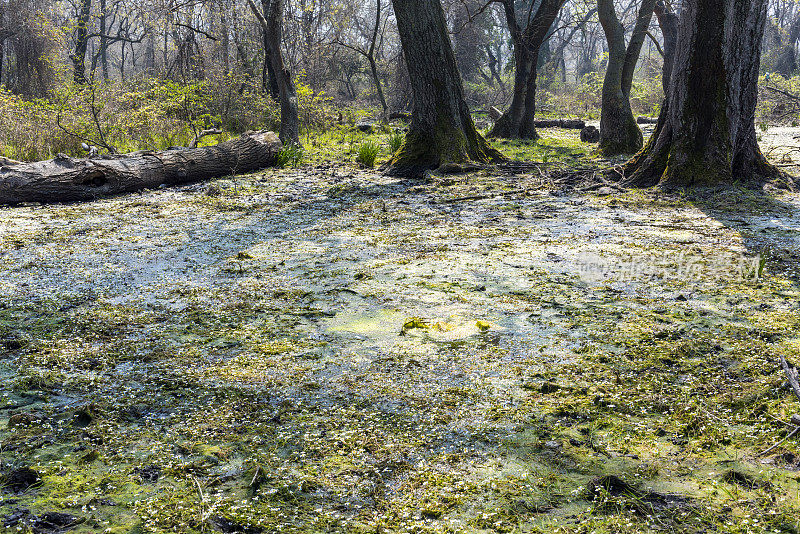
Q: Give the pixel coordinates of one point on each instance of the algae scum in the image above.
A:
(329, 351)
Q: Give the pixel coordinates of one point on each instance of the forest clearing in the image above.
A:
(279, 309)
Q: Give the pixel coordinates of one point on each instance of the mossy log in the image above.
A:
(567, 124)
(65, 179)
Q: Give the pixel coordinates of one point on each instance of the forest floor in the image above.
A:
(332, 350)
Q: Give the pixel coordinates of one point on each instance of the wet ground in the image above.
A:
(335, 350)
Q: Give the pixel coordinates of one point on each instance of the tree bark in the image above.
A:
(64, 179)
(103, 39)
(269, 80)
(78, 55)
(518, 120)
(272, 25)
(668, 22)
(442, 131)
(619, 133)
(707, 135)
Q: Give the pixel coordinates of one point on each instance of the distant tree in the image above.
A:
(78, 55)
(529, 29)
(470, 38)
(369, 52)
(619, 133)
(271, 21)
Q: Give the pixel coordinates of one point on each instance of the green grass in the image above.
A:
(367, 152)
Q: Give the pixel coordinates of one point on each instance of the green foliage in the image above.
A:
(775, 105)
(396, 141)
(580, 100)
(367, 152)
(290, 156)
(143, 114)
(315, 109)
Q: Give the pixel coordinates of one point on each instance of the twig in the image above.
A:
(202, 502)
(791, 373)
(781, 442)
(8, 162)
(782, 92)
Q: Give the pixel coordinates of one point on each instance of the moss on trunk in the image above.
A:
(706, 133)
(442, 130)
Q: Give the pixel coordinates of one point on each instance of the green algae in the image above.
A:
(257, 332)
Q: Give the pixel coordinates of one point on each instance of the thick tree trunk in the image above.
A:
(619, 133)
(64, 179)
(442, 131)
(272, 25)
(518, 120)
(707, 135)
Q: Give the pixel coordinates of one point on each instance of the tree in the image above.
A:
(271, 21)
(442, 131)
(528, 36)
(369, 53)
(470, 37)
(707, 135)
(619, 133)
(78, 56)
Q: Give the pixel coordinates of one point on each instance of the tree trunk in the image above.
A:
(668, 22)
(619, 133)
(707, 135)
(150, 52)
(518, 120)
(78, 56)
(64, 179)
(269, 79)
(272, 25)
(442, 131)
(103, 39)
(509, 125)
(373, 65)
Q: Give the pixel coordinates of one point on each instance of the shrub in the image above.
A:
(367, 152)
(396, 141)
(290, 156)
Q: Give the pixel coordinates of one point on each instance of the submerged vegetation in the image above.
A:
(309, 351)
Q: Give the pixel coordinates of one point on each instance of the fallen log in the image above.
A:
(647, 120)
(568, 124)
(65, 179)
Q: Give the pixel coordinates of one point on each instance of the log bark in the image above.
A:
(567, 124)
(706, 135)
(442, 131)
(65, 179)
